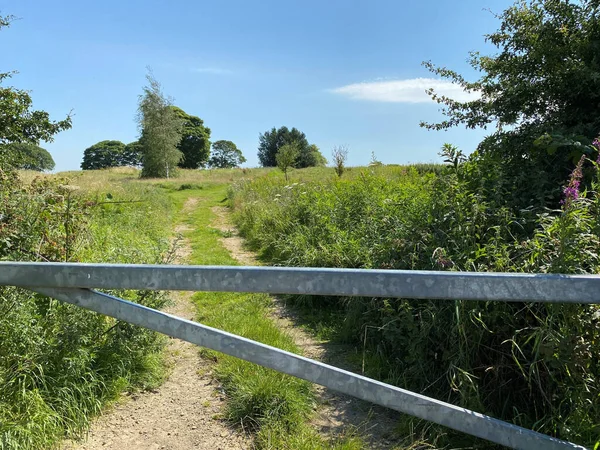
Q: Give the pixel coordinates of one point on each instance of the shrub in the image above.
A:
(339, 155)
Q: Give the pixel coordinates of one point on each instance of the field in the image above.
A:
(530, 364)
(113, 216)
(517, 190)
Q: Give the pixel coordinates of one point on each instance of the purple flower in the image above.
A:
(571, 191)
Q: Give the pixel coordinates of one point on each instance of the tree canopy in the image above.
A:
(111, 154)
(132, 155)
(28, 157)
(18, 122)
(543, 80)
(311, 156)
(102, 155)
(225, 154)
(161, 131)
(271, 141)
(195, 140)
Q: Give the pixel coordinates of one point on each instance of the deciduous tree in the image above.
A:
(161, 131)
(544, 79)
(195, 140)
(310, 156)
(286, 157)
(102, 155)
(271, 141)
(225, 154)
(339, 154)
(132, 155)
(28, 157)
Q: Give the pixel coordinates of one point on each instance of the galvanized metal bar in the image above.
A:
(417, 405)
(313, 281)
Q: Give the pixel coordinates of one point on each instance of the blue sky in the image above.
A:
(343, 72)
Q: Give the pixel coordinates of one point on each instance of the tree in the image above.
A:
(310, 157)
(374, 161)
(339, 154)
(112, 154)
(271, 141)
(18, 123)
(286, 157)
(161, 131)
(28, 157)
(132, 155)
(102, 155)
(225, 154)
(195, 140)
(545, 78)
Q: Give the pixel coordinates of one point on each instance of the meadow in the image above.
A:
(60, 366)
(532, 364)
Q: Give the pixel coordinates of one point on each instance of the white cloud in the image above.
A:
(212, 70)
(403, 91)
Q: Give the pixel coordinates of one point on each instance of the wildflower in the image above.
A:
(571, 191)
(596, 143)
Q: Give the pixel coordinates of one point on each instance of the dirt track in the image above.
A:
(184, 413)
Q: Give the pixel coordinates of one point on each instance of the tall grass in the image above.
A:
(533, 364)
(59, 363)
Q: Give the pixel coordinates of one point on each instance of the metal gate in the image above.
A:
(73, 283)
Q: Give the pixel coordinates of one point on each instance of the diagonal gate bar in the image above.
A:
(313, 281)
(417, 405)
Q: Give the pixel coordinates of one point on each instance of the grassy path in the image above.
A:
(336, 415)
(276, 407)
(186, 411)
(189, 410)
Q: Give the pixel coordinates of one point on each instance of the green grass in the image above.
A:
(60, 364)
(274, 406)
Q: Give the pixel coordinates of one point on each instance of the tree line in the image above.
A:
(170, 138)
